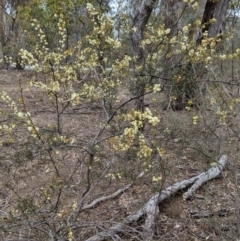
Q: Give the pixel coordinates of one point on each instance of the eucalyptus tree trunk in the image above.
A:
(139, 25)
(216, 10)
(188, 87)
(11, 33)
(3, 27)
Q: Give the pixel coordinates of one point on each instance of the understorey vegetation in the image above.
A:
(119, 120)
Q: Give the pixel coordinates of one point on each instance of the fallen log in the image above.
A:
(150, 209)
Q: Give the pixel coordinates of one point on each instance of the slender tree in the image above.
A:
(139, 25)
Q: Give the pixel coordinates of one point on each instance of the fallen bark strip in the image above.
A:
(150, 209)
(208, 214)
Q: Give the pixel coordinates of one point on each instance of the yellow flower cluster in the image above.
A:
(8, 129)
(8, 59)
(75, 99)
(155, 35)
(145, 150)
(114, 176)
(162, 152)
(193, 3)
(189, 1)
(185, 43)
(62, 214)
(70, 235)
(147, 165)
(54, 86)
(156, 88)
(122, 64)
(43, 53)
(222, 116)
(195, 119)
(90, 91)
(11, 104)
(189, 107)
(101, 34)
(62, 31)
(28, 58)
(232, 103)
(41, 49)
(61, 139)
(113, 42)
(91, 9)
(156, 179)
(137, 120)
(167, 130)
(24, 117)
(74, 206)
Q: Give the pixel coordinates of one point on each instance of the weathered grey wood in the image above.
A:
(206, 176)
(150, 209)
(105, 198)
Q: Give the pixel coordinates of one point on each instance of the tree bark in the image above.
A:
(139, 25)
(3, 29)
(214, 10)
(3, 20)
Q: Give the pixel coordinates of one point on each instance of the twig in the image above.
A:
(105, 198)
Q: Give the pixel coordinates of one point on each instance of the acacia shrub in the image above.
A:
(71, 157)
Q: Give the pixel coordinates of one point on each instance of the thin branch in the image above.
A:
(105, 198)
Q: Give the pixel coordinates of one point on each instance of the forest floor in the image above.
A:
(25, 171)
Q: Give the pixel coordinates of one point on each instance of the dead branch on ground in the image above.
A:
(150, 209)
